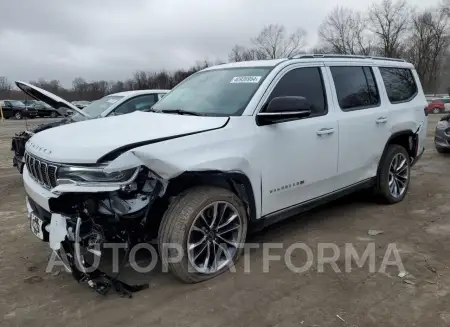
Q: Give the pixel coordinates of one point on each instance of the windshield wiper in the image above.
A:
(180, 112)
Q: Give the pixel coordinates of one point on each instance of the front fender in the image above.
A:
(176, 163)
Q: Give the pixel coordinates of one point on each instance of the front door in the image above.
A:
(299, 158)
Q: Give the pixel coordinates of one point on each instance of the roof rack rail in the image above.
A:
(306, 56)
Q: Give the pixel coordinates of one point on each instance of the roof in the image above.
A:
(138, 92)
(379, 61)
(251, 63)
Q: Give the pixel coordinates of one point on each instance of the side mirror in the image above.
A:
(284, 108)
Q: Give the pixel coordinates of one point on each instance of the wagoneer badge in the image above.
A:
(39, 148)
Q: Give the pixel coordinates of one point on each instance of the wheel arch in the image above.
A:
(406, 138)
(237, 182)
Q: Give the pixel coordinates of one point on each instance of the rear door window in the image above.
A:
(399, 83)
(356, 88)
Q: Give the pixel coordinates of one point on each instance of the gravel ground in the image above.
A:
(419, 227)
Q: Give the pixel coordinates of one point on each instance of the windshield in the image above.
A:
(17, 104)
(221, 92)
(96, 108)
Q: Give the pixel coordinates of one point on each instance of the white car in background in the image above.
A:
(110, 105)
(121, 103)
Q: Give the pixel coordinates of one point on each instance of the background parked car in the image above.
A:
(436, 106)
(442, 135)
(43, 109)
(16, 109)
(81, 104)
(446, 101)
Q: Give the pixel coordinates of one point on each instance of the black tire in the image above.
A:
(442, 150)
(18, 115)
(53, 114)
(177, 221)
(382, 187)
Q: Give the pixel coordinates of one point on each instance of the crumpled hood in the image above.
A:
(87, 141)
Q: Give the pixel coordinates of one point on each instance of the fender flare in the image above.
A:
(237, 181)
(393, 136)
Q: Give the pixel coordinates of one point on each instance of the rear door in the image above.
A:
(363, 121)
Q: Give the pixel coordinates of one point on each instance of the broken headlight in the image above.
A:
(67, 175)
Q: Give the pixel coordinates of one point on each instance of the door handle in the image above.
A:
(381, 120)
(325, 131)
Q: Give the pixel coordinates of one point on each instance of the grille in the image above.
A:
(41, 171)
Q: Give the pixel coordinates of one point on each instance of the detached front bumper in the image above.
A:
(18, 163)
(441, 139)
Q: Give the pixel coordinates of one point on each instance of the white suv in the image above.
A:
(233, 146)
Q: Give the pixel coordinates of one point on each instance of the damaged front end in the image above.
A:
(18, 148)
(20, 139)
(91, 210)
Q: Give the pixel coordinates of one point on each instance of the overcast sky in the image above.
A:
(111, 39)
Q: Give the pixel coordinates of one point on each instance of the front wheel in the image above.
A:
(209, 224)
(18, 115)
(394, 174)
(53, 114)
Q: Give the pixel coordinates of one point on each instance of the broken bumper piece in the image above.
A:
(65, 241)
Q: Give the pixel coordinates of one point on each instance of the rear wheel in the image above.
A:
(209, 224)
(53, 114)
(18, 115)
(394, 174)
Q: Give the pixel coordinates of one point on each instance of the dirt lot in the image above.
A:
(419, 226)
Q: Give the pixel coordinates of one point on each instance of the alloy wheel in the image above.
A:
(398, 175)
(214, 237)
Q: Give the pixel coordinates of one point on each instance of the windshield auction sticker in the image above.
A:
(246, 79)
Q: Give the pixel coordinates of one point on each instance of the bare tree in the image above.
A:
(446, 7)
(344, 32)
(390, 22)
(240, 53)
(5, 85)
(428, 45)
(273, 42)
(79, 86)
